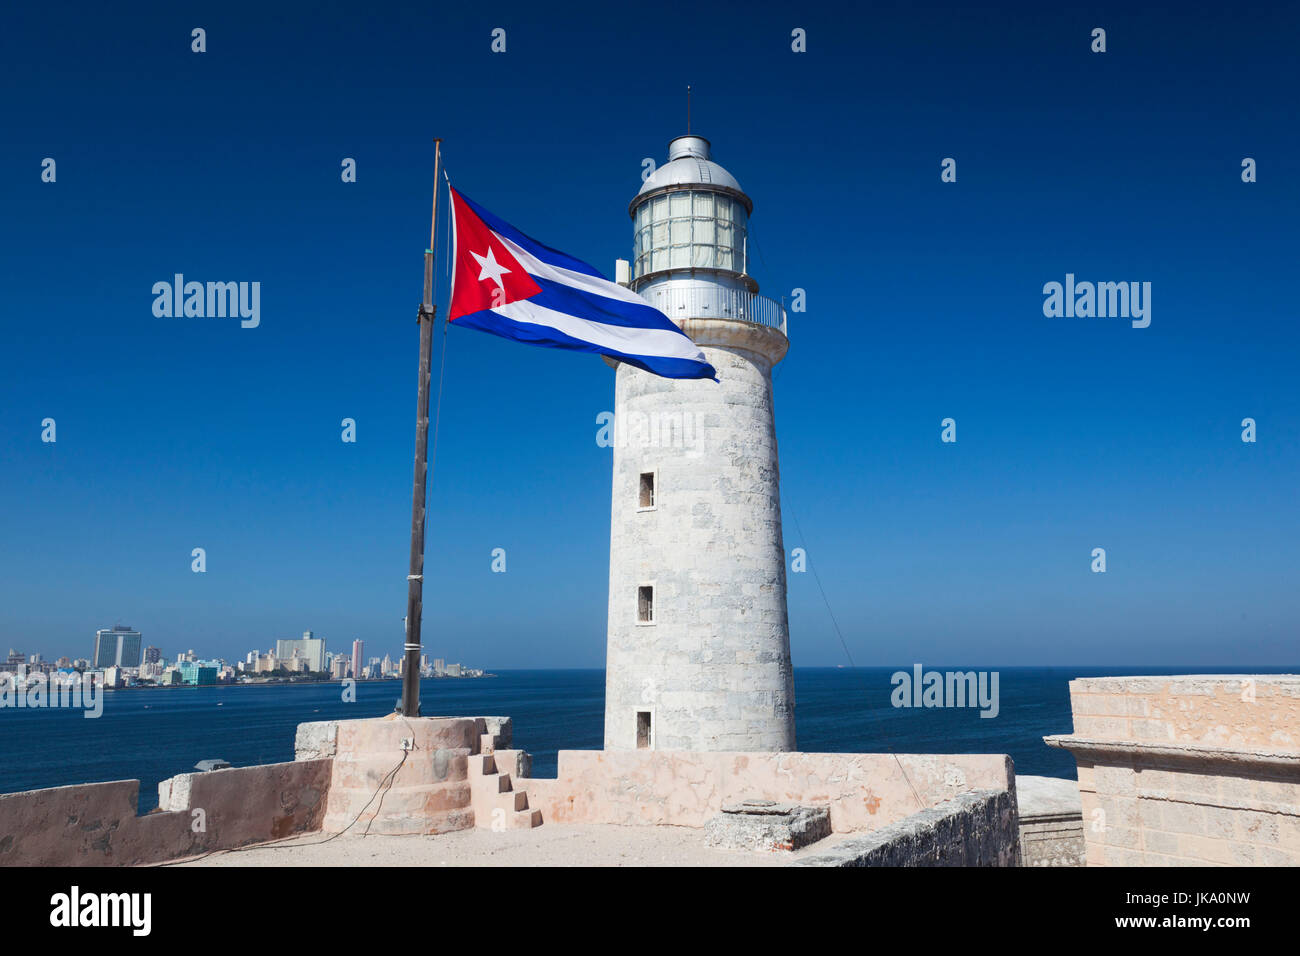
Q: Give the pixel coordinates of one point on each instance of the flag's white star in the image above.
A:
(491, 268)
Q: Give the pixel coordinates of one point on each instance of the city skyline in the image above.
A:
(151, 654)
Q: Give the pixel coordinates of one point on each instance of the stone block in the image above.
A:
(765, 825)
(1051, 821)
(317, 740)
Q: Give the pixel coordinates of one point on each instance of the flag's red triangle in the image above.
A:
(487, 275)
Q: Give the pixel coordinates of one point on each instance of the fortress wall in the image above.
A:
(342, 764)
(1188, 770)
(686, 788)
(95, 824)
(973, 829)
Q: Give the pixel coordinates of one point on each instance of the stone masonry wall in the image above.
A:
(973, 829)
(1051, 821)
(1052, 842)
(682, 788)
(95, 824)
(713, 670)
(1188, 769)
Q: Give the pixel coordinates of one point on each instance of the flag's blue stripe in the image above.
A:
(548, 255)
(544, 335)
(559, 297)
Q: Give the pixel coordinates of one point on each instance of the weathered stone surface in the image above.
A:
(713, 669)
(500, 727)
(974, 829)
(425, 790)
(95, 824)
(765, 825)
(517, 763)
(317, 740)
(1188, 770)
(687, 788)
(174, 792)
(1253, 713)
(1051, 821)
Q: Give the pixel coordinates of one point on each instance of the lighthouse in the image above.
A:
(698, 654)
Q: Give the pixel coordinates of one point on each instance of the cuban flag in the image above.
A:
(511, 285)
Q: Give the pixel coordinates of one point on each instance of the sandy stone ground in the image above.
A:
(547, 845)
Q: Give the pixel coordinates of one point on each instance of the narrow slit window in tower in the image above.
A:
(647, 493)
(642, 729)
(645, 604)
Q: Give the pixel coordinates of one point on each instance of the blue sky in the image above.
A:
(924, 302)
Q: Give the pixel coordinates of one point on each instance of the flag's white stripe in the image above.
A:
(630, 341)
(455, 249)
(535, 266)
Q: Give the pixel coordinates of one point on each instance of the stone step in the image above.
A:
(509, 800)
(527, 819)
(496, 733)
(491, 776)
(514, 805)
(517, 763)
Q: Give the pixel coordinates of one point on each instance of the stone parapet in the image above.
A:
(972, 829)
(95, 824)
(1188, 770)
(688, 788)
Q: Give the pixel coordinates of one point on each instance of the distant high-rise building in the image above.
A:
(130, 651)
(310, 649)
(358, 648)
(105, 652)
(116, 646)
(200, 673)
(152, 655)
(16, 663)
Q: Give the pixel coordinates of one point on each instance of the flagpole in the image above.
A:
(410, 706)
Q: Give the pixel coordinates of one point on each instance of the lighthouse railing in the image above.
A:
(718, 303)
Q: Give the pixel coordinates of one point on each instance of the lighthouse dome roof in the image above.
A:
(689, 164)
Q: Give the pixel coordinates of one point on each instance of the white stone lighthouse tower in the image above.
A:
(699, 643)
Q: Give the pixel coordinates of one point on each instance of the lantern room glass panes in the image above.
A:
(689, 230)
